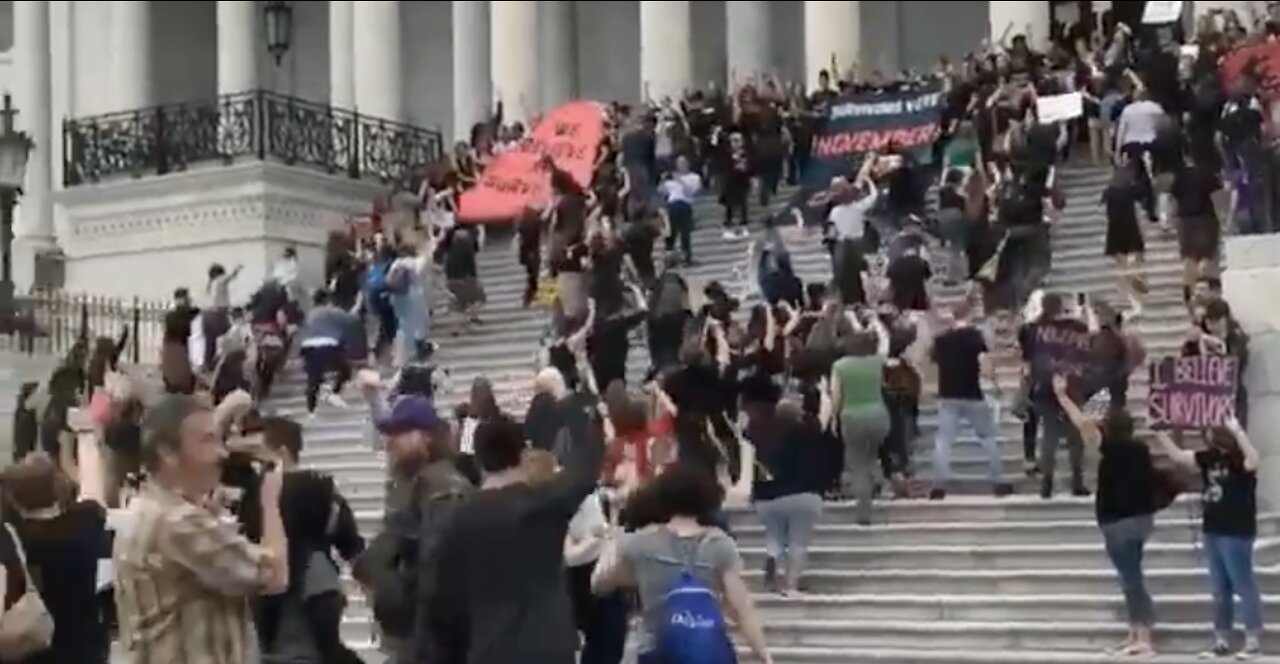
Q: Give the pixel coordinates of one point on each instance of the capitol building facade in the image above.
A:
(171, 135)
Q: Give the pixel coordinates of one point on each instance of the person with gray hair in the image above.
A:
(183, 575)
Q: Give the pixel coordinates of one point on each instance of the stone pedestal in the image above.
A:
(1250, 284)
(144, 238)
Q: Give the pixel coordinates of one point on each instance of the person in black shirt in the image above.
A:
(1124, 235)
(1229, 467)
(499, 590)
(909, 280)
(1125, 508)
(1199, 232)
(609, 340)
(529, 251)
(1054, 323)
(177, 321)
(304, 621)
(960, 354)
(63, 536)
(825, 94)
(458, 251)
(735, 185)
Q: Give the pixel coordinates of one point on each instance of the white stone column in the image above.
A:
(666, 48)
(238, 45)
(342, 90)
(379, 78)
(1016, 15)
(34, 229)
(513, 40)
(472, 89)
(832, 30)
(131, 71)
(556, 39)
(749, 49)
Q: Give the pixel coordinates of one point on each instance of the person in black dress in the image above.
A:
(1124, 242)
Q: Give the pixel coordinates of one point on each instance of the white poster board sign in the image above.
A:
(1162, 12)
(1057, 108)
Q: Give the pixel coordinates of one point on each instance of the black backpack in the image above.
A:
(397, 562)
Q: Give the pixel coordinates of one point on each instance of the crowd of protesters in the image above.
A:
(613, 491)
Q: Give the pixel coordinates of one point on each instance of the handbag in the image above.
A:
(27, 627)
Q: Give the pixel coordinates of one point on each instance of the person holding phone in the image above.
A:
(63, 536)
(183, 575)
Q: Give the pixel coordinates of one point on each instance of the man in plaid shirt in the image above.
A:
(183, 575)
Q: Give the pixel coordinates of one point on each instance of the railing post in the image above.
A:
(260, 123)
(84, 319)
(136, 335)
(162, 149)
(353, 168)
(67, 177)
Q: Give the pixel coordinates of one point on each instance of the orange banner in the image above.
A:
(516, 180)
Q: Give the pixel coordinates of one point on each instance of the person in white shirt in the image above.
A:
(848, 217)
(678, 190)
(1135, 136)
(601, 620)
(286, 272)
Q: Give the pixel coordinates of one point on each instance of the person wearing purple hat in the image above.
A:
(423, 492)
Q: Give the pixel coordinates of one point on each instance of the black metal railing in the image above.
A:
(52, 323)
(258, 125)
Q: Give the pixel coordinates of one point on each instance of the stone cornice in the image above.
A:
(253, 201)
(209, 177)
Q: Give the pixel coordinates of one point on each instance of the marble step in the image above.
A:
(918, 655)
(983, 557)
(1172, 527)
(1172, 638)
(1176, 641)
(932, 608)
(1192, 579)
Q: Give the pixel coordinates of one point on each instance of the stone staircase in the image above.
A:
(970, 579)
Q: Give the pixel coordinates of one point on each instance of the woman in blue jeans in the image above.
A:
(1229, 467)
(788, 497)
(1125, 509)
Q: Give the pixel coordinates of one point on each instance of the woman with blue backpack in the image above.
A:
(687, 575)
(378, 298)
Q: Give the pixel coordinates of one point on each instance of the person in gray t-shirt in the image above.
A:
(653, 558)
(658, 555)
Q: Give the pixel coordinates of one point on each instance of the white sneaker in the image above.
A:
(333, 399)
(728, 234)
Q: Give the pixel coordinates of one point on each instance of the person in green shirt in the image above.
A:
(962, 151)
(857, 399)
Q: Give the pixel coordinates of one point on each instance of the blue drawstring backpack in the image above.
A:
(375, 279)
(693, 629)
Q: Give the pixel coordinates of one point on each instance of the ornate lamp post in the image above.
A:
(15, 146)
(278, 16)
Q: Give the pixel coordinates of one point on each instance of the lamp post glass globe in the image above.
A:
(278, 15)
(14, 150)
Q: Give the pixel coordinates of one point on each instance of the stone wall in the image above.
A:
(1251, 284)
(144, 238)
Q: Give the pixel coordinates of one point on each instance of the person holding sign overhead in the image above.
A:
(1057, 344)
(1229, 467)
(1125, 508)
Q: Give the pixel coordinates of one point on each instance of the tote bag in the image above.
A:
(27, 627)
